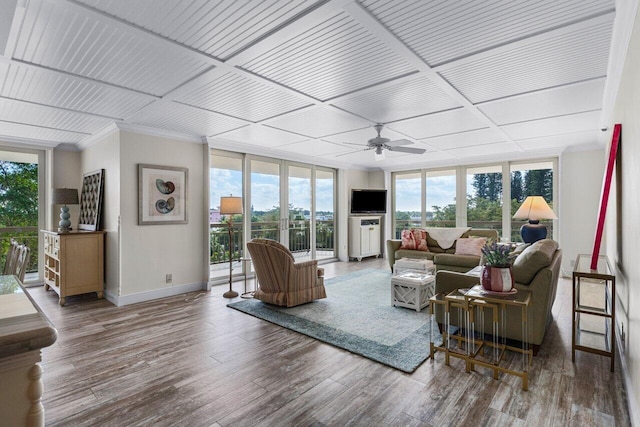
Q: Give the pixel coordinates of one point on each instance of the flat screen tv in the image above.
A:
(368, 201)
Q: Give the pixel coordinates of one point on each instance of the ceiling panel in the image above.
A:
(262, 136)
(442, 31)
(411, 98)
(184, 119)
(444, 123)
(586, 139)
(464, 139)
(533, 65)
(43, 87)
(37, 134)
(101, 51)
(318, 122)
(219, 28)
(333, 58)
(554, 126)
(577, 98)
(240, 96)
(315, 148)
(361, 136)
(487, 150)
(23, 112)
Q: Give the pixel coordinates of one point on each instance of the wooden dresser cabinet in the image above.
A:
(74, 262)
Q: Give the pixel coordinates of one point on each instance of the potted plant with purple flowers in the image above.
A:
(497, 274)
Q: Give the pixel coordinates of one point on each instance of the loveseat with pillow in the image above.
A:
(535, 269)
(441, 246)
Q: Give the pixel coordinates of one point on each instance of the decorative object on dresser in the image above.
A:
(230, 206)
(65, 196)
(91, 200)
(162, 195)
(534, 208)
(74, 263)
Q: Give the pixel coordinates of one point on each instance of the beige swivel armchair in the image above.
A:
(283, 281)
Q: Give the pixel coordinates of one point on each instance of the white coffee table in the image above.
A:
(412, 289)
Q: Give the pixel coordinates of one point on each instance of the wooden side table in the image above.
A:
(594, 321)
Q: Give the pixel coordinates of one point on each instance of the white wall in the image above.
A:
(580, 184)
(622, 221)
(149, 252)
(66, 165)
(105, 154)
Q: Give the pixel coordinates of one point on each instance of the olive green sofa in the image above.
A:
(443, 259)
(537, 270)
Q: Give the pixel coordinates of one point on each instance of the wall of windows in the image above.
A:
(484, 197)
(293, 203)
(485, 188)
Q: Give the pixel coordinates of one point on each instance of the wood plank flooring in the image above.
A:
(189, 360)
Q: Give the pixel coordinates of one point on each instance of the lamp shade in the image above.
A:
(534, 208)
(230, 205)
(65, 196)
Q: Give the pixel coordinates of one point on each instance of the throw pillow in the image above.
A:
(420, 237)
(532, 259)
(408, 241)
(470, 245)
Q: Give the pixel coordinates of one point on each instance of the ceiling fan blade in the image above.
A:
(351, 152)
(399, 142)
(408, 150)
(353, 143)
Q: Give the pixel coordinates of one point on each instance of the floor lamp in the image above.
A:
(230, 206)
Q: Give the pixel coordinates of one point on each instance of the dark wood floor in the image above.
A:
(189, 360)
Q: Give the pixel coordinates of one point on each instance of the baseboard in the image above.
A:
(155, 294)
(634, 412)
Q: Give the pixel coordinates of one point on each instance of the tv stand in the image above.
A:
(364, 237)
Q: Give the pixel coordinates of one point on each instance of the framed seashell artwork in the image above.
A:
(162, 194)
(91, 200)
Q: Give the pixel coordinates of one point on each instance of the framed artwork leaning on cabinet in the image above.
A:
(91, 200)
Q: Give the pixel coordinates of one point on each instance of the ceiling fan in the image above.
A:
(380, 143)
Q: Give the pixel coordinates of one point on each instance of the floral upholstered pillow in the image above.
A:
(470, 245)
(414, 239)
(407, 240)
(420, 237)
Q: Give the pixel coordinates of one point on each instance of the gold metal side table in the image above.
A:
(470, 342)
(594, 318)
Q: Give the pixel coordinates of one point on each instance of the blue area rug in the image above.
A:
(357, 316)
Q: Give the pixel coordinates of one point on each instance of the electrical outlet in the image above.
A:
(168, 278)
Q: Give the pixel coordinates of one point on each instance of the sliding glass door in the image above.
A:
(283, 197)
(293, 203)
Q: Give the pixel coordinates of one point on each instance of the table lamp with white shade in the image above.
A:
(534, 208)
(230, 206)
(65, 196)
